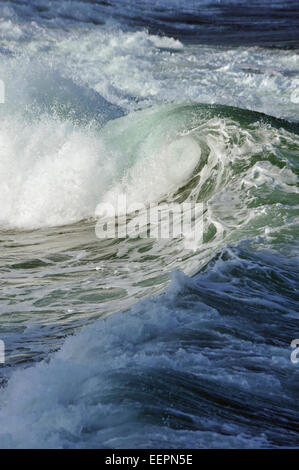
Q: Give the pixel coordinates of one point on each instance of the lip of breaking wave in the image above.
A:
(60, 179)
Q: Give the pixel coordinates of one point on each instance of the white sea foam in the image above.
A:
(54, 171)
(85, 395)
(70, 402)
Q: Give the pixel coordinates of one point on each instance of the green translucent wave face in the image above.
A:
(242, 165)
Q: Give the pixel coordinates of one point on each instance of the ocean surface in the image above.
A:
(142, 342)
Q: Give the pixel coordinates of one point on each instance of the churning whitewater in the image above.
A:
(142, 342)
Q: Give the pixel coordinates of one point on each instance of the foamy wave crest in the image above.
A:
(53, 165)
(64, 149)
